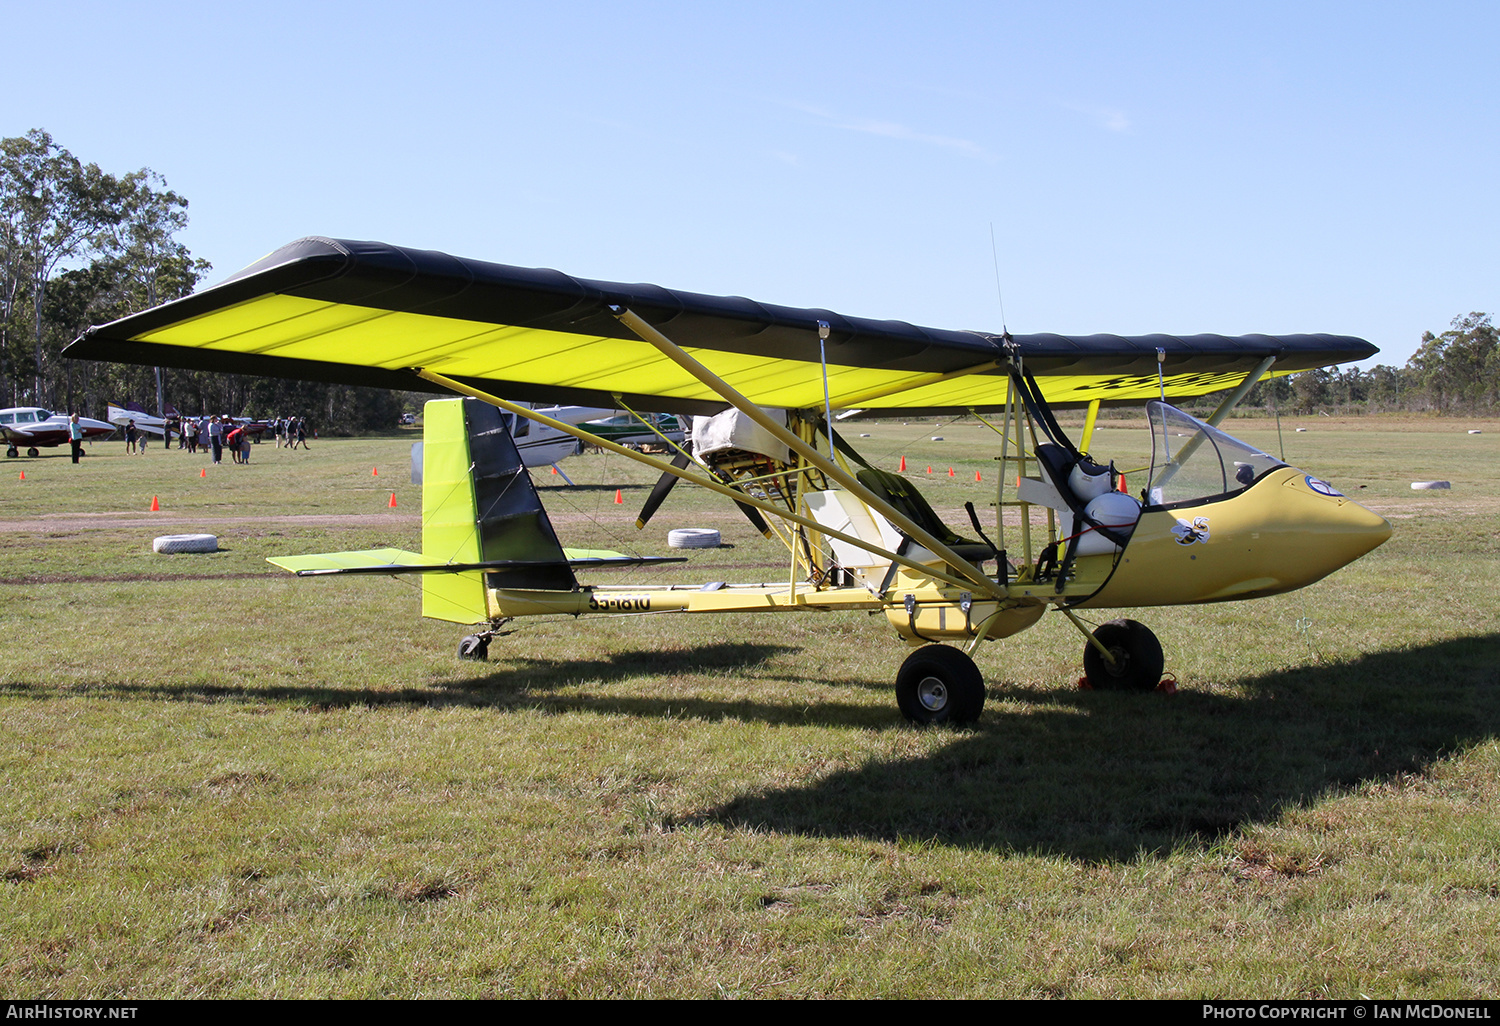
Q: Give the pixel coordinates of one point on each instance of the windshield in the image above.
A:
(1191, 460)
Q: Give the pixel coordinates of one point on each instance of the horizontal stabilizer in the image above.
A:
(393, 561)
(398, 561)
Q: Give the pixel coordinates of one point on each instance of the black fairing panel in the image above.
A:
(512, 523)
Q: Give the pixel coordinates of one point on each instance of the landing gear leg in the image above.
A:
(940, 684)
(1137, 658)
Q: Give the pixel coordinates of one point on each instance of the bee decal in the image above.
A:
(1188, 533)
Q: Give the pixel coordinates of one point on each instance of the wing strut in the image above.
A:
(829, 467)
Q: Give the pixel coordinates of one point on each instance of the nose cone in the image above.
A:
(1365, 529)
(1326, 529)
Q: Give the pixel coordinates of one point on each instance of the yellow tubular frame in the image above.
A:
(460, 388)
(851, 484)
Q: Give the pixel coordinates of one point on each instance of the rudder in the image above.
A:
(479, 506)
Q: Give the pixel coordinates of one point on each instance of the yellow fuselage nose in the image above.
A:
(1284, 532)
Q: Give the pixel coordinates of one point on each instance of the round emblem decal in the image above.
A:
(1323, 487)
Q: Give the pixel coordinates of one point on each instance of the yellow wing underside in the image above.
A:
(306, 329)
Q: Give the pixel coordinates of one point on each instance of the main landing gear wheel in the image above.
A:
(940, 684)
(12, 451)
(475, 647)
(1138, 658)
(33, 452)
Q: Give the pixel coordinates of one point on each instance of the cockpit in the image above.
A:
(1192, 461)
(25, 416)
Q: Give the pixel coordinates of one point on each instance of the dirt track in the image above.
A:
(169, 523)
(177, 523)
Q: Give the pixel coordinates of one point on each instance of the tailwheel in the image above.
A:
(940, 684)
(475, 647)
(1138, 658)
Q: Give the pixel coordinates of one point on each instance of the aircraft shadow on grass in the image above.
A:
(1090, 775)
(1098, 775)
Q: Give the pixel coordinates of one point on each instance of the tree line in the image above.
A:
(82, 246)
(1455, 373)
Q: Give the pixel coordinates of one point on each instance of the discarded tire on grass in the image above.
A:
(693, 538)
(170, 544)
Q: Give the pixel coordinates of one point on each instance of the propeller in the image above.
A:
(660, 491)
(663, 487)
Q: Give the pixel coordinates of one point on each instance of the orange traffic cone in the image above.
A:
(977, 477)
(1124, 489)
(950, 471)
(929, 470)
(619, 499)
(554, 470)
(155, 506)
(392, 503)
(203, 472)
(23, 475)
(903, 464)
(374, 471)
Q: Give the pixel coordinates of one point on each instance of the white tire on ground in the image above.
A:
(693, 538)
(1425, 486)
(173, 543)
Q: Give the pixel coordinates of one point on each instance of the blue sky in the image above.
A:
(1175, 167)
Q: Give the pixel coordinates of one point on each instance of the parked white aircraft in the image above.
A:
(120, 416)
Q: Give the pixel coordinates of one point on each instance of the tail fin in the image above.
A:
(479, 506)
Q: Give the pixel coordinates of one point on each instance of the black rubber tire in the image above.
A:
(1138, 658)
(33, 452)
(475, 648)
(940, 684)
(12, 451)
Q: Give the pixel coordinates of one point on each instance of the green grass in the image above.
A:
(227, 782)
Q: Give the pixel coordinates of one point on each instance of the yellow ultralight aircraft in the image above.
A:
(1217, 520)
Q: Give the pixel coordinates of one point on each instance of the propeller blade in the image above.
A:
(756, 520)
(659, 493)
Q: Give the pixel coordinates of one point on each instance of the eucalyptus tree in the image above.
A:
(1460, 369)
(143, 242)
(56, 210)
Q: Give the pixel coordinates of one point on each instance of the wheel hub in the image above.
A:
(932, 693)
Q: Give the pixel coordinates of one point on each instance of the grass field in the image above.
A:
(222, 781)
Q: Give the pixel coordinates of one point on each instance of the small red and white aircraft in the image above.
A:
(36, 428)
